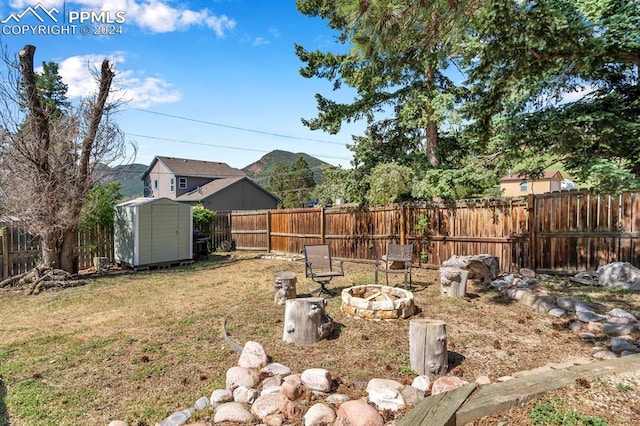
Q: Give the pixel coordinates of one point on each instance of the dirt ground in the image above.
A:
(151, 342)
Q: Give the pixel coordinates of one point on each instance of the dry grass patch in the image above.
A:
(139, 346)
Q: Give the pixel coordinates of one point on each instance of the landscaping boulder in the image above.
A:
(619, 275)
(483, 268)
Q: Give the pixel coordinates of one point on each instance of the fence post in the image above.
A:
(322, 230)
(403, 224)
(5, 252)
(268, 231)
(531, 207)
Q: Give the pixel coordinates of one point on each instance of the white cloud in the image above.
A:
(219, 24)
(148, 91)
(274, 32)
(157, 16)
(259, 41)
(129, 85)
(578, 93)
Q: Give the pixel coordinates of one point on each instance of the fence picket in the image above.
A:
(557, 232)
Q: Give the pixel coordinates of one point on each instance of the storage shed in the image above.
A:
(152, 231)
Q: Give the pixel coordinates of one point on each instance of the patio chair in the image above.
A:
(320, 267)
(397, 261)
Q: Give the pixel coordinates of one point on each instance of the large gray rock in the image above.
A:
(619, 275)
(619, 344)
(482, 267)
(539, 302)
(621, 313)
(617, 329)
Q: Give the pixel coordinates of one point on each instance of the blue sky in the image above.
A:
(209, 80)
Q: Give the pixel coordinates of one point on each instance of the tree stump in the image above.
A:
(101, 264)
(284, 287)
(428, 347)
(453, 282)
(305, 320)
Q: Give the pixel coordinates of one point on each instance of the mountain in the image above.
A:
(263, 168)
(130, 176)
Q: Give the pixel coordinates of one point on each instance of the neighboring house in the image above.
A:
(513, 185)
(216, 186)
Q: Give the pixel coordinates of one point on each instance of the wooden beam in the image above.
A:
(440, 409)
(498, 397)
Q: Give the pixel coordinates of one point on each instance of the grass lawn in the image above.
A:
(139, 346)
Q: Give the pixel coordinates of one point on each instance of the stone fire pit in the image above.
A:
(377, 302)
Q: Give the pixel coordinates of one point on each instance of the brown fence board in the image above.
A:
(559, 232)
(568, 231)
(20, 251)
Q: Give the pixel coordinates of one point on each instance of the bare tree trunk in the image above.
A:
(59, 164)
(67, 251)
(431, 131)
(40, 120)
(432, 142)
(49, 250)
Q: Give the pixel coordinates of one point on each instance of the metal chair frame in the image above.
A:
(320, 267)
(396, 253)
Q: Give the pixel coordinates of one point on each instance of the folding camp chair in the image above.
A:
(397, 261)
(320, 267)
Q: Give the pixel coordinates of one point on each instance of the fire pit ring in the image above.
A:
(374, 301)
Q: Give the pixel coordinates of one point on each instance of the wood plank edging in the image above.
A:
(498, 397)
(440, 409)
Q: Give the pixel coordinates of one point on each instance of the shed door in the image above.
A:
(165, 235)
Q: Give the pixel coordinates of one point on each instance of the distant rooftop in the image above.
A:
(198, 168)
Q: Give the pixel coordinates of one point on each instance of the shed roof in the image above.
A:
(548, 175)
(140, 201)
(196, 168)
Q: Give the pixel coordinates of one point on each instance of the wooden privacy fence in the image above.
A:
(557, 232)
(20, 251)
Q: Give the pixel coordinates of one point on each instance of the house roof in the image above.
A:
(205, 191)
(196, 168)
(548, 175)
(140, 201)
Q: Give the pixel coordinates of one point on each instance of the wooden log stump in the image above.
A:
(453, 282)
(284, 287)
(305, 320)
(428, 347)
(101, 264)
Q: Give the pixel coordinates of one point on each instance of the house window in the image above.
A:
(155, 184)
(172, 185)
(523, 186)
(182, 183)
